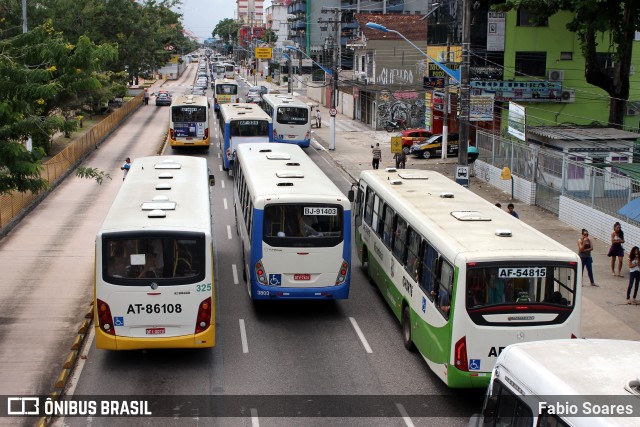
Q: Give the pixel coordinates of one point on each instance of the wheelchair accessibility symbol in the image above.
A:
(275, 279)
(118, 321)
(474, 364)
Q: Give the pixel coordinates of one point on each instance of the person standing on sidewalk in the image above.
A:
(616, 250)
(634, 274)
(125, 167)
(377, 155)
(401, 160)
(146, 97)
(585, 247)
(318, 118)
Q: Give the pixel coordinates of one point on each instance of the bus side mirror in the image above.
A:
(350, 195)
(212, 180)
(490, 406)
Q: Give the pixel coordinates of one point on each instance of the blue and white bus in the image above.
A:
(294, 225)
(291, 118)
(241, 123)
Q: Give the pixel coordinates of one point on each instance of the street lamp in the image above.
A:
(460, 76)
(332, 117)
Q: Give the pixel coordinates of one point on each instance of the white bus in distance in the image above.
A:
(154, 259)
(291, 118)
(564, 383)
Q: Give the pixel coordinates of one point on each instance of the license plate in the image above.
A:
(155, 331)
(291, 136)
(301, 277)
(189, 138)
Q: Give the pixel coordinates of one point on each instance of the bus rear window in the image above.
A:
(521, 284)
(136, 261)
(292, 116)
(246, 128)
(226, 89)
(184, 113)
(300, 225)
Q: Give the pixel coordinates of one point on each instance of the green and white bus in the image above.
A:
(465, 278)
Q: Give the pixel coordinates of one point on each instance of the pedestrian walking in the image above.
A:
(318, 118)
(616, 250)
(377, 155)
(634, 274)
(585, 247)
(146, 97)
(511, 210)
(401, 159)
(125, 167)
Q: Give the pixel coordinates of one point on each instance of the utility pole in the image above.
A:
(290, 79)
(445, 113)
(334, 45)
(24, 16)
(465, 94)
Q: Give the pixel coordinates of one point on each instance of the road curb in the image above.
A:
(69, 363)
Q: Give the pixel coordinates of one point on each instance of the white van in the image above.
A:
(559, 383)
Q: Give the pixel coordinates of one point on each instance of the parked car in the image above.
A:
(413, 136)
(163, 98)
(432, 147)
(254, 91)
(252, 98)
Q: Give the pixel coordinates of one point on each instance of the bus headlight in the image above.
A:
(342, 274)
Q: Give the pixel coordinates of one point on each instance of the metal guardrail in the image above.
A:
(12, 204)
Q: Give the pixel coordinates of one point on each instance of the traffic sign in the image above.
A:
(333, 112)
(263, 52)
(396, 144)
(462, 175)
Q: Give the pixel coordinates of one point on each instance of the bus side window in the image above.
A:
(387, 228)
(368, 207)
(413, 263)
(444, 288)
(429, 270)
(399, 240)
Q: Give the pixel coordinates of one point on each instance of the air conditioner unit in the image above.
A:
(556, 75)
(362, 77)
(568, 95)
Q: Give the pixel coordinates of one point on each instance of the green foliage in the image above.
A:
(92, 173)
(227, 29)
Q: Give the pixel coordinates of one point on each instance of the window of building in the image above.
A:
(526, 18)
(575, 167)
(566, 56)
(619, 159)
(531, 64)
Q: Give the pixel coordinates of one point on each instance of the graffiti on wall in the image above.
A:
(393, 106)
(389, 76)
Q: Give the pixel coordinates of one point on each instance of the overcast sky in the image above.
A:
(201, 16)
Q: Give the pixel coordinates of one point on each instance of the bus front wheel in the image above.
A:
(406, 329)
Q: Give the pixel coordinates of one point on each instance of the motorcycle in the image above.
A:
(397, 124)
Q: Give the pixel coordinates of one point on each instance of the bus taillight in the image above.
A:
(461, 361)
(206, 134)
(204, 316)
(104, 318)
(260, 273)
(342, 274)
(171, 134)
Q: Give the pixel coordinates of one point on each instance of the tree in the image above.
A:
(270, 36)
(227, 29)
(612, 20)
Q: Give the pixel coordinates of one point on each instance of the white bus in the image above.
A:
(217, 72)
(229, 70)
(189, 122)
(154, 259)
(239, 124)
(465, 278)
(294, 224)
(291, 118)
(562, 383)
(225, 91)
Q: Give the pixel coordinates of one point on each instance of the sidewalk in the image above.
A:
(605, 313)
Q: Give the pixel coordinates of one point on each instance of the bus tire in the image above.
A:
(406, 329)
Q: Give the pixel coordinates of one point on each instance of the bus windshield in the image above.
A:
(184, 113)
(292, 115)
(300, 225)
(249, 128)
(228, 89)
(168, 260)
(521, 284)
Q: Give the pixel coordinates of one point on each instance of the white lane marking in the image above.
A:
(243, 337)
(220, 168)
(219, 156)
(224, 202)
(318, 146)
(234, 270)
(229, 232)
(360, 335)
(222, 182)
(254, 418)
(405, 415)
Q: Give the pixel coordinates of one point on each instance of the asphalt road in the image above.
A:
(345, 356)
